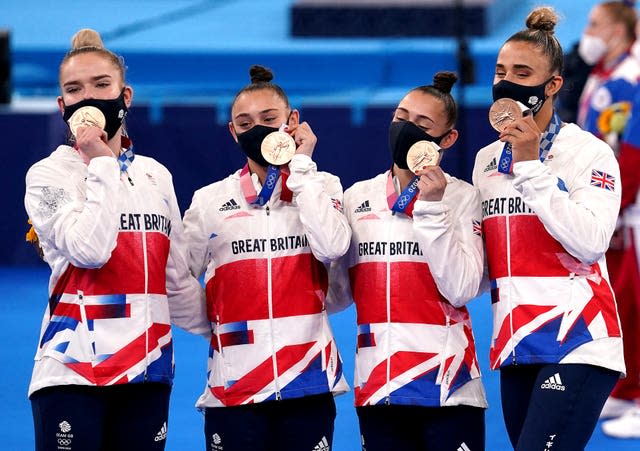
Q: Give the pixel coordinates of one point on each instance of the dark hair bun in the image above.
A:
(444, 81)
(543, 18)
(260, 74)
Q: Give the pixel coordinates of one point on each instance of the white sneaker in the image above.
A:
(615, 407)
(626, 426)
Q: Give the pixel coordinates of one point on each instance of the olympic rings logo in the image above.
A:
(64, 441)
(271, 180)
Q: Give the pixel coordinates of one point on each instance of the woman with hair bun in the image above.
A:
(415, 261)
(109, 227)
(550, 198)
(264, 238)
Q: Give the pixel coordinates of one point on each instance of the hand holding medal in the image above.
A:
(517, 130)
(87, 126)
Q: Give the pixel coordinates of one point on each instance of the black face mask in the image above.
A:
(251, 140)
(114, 110)
(403, 135)
(533, 97)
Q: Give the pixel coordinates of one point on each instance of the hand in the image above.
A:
(524, 136)
(431, 184)
(92, 142)
(304, 138)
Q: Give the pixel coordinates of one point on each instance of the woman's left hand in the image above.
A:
(431, 184)
(304, 137)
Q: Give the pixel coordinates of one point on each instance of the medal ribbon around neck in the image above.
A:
(505, 165)
(405, 201)
(270, 182)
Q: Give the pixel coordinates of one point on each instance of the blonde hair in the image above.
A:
(88, 40)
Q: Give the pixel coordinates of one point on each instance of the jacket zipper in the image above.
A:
(147, 315)
(274, 361)
(387, 400)
(511, 340)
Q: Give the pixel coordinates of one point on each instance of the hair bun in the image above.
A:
(86, 38)
(260, 74)
(444, 81)
(543, 18)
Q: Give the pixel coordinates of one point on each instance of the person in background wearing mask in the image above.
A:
(605, 102)
(606, 42)
(264, 237)
(108, 225)
(622, 259)
(415, 260)
(550, 194)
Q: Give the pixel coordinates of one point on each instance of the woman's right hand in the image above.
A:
(92, 142)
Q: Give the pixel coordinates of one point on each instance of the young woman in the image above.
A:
(550, 197)
(264, 237)
(415, 260)
(109, 227)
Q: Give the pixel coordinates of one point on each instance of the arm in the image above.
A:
(339, 295)
(584, 218)
(445, 230)
(319, 199)
(196, 238)
(187, 303)
(82, 226)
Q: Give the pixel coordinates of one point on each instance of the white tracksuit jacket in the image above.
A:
(546, 229)
(410, 279)
(266, 280)
(116, 252)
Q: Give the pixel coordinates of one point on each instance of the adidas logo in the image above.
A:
(162, 433)
(491, 166)
(463, 447)
(553, 383)
(324, 444)
(364, 207)
(230, 205)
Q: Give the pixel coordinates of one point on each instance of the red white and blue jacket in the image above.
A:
(119, 274)
(605, 87)
(546, 228)
(266, 280)
(410, 276)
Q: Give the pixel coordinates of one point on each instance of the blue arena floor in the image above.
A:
(25, 299)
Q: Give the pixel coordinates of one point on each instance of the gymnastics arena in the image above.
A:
(345, 71)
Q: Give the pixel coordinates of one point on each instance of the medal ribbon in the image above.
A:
(505, 165)
(126, 158)
(405, 201)
(271, 180)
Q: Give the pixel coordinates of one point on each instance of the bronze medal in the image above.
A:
(421, 154)
(505, 111)
(278, 148)
(85, 117)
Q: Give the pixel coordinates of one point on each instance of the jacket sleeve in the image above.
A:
(339, 295)
(454, 252)
(196, 238)
(319, 199)
(77, 219)
(186, 296)
(582, 219)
